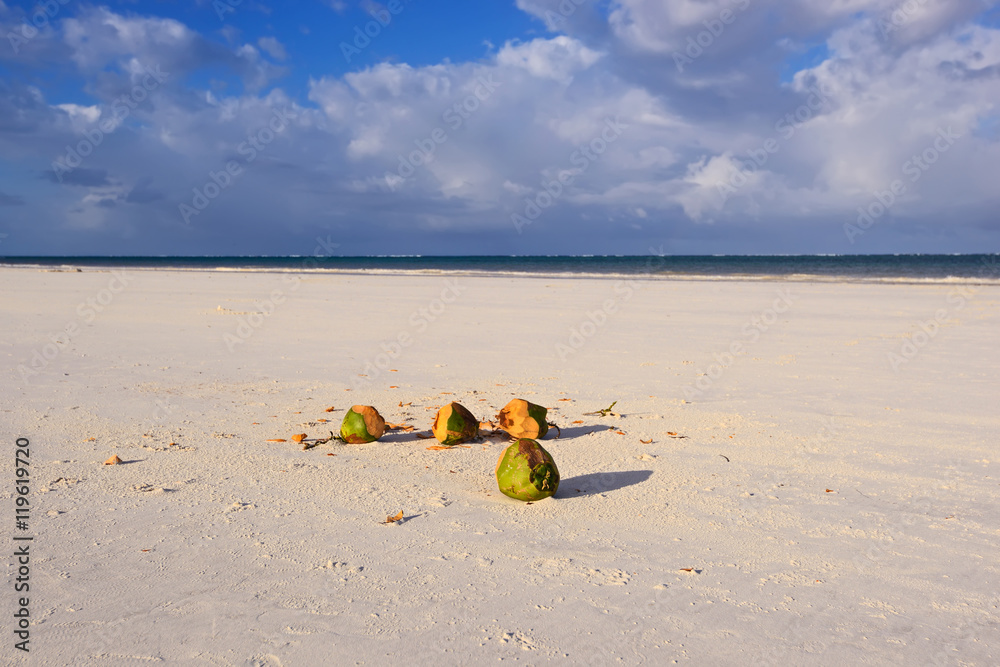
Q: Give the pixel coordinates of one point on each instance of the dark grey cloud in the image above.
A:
(23, 110)
(143, 193)
(10, 200)
(80, 176)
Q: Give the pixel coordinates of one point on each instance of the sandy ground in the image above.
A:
(827, 495)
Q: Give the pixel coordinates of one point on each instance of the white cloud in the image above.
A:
(273, 48)
(102, 36)
(558, 58)
(81, 117)
(98, 39)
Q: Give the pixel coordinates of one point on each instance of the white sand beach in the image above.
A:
(799, 473)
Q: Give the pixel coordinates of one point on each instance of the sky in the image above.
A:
(527, 127)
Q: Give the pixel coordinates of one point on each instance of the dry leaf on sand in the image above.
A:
(400, 427)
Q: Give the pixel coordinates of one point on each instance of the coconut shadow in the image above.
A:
(596, 483)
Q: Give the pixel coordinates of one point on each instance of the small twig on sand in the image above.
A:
(604, 412)
(315, 443)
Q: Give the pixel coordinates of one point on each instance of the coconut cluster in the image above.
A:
(525, 471)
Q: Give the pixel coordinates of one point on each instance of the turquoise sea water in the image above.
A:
(860, 268)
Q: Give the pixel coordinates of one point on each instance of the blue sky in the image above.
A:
(527, 127)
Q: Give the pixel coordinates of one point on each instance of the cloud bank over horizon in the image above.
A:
(712, 126)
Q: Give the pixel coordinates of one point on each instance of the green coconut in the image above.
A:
(522, 419)
(362, 424)
(454, 424)
(526, 471)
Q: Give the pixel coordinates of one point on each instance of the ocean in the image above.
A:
(963, 269)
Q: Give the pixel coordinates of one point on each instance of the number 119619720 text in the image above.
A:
(22, 551)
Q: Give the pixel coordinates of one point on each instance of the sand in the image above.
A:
(798, 473)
